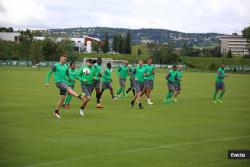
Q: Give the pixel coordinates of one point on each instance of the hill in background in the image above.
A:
(140, 35)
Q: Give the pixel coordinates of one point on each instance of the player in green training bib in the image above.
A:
(107, 81)
(148, 79)
(131, 79)
(177, 83)
(122, 74)
(219, 85)
(70, 81)
(139, 74)
(61, 71)
(97, 81)
(170, 77)
(86, 76)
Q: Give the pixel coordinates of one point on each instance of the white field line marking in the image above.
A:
(138, 150)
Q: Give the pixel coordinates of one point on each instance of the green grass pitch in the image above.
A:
(192, 132)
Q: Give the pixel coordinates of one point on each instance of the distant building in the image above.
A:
(236, 43)
(9, 36)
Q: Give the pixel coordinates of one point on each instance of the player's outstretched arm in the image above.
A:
(48, 77)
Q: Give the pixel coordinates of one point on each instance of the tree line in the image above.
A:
(36, 50)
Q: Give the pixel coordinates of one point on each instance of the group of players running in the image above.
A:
(92, 77)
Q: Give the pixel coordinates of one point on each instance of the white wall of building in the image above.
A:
(9, 36)
(89, 47)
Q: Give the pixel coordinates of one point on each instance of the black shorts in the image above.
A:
(96, 84)
(148, 84)
(122, 82)
(106, 85)
(177, 86)
(219, 85)
(139, 86)
(62, 87)
(170, 86)
(132, 83)
(86, 89)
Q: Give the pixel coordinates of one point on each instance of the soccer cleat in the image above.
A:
(140, 107)
(56, 114)
(215, 102)
(175, 100)
(149, 102)
(99, 105)
(220, 101)
(81, 112)
(168, 101)
(124, 96)
(132, 104)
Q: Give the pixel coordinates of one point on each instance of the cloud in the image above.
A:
(223, 16)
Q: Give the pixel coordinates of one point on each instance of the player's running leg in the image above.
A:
(63, 91)
(58, 106)
(73, 93)
(87, 90)
(138, 89)
(68, 98)
(98, 98)
(221, 95)
(170, 93)
(215, 96)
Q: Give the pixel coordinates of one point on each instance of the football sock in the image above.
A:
(119, 91)
(133, 91)
(123, 91)
(129, 89)
(215, 95)
(57, 111)
(221, 94)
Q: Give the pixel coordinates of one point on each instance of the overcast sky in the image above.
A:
(221, 16)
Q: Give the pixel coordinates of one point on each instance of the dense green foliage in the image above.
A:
(36, 50)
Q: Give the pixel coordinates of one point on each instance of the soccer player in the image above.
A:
(122, 73)
(139, 74)
(86, 76)
(97, 82)
(177, 83)
(219, 85)
(106, 81)
(170, 77)
(70, 81)
(132, 79)
(60, 71)
(148, 80)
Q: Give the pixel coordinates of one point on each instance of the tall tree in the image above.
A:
(121, 46)
(115, 43)
(105, 48)
(246, 34)
(95, 46)
(128, 43)
(49, 49)
(26, 39)
(36, 51)
(229, 54)
(4, 29)
(139, 52)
